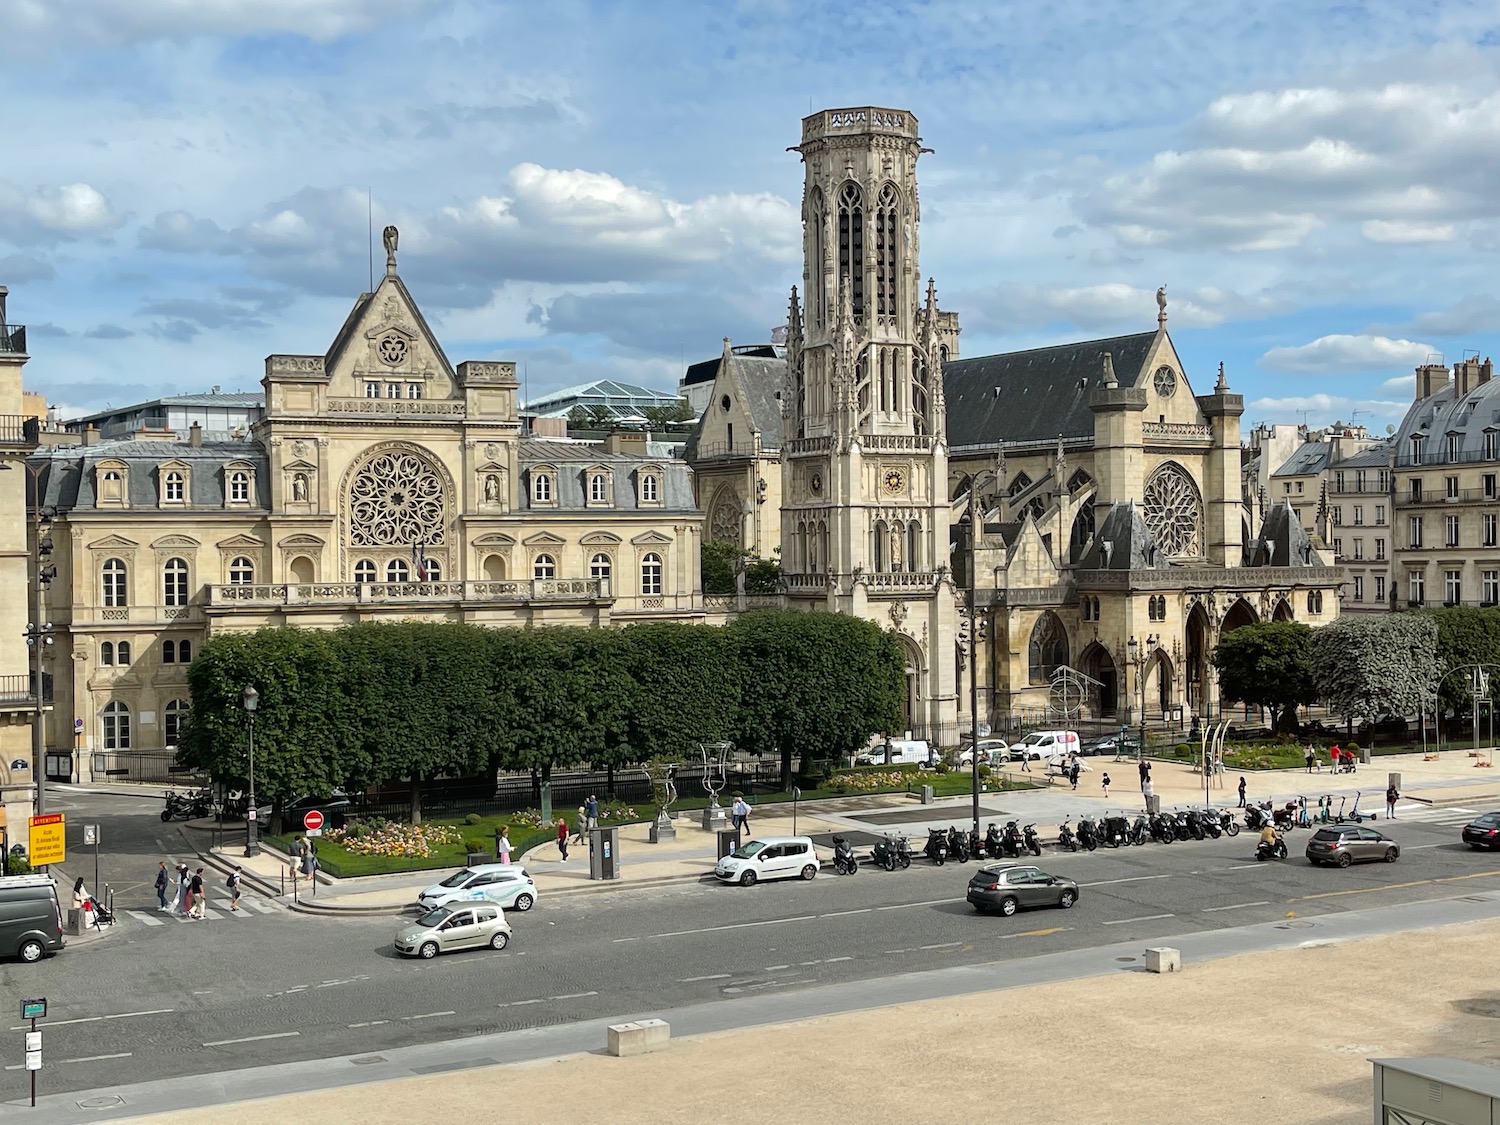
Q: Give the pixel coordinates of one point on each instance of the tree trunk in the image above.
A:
(609, 781)
(786, 767)
(416, 798)
(536, 786)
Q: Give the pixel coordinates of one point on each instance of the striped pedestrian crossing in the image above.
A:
(1449, 815)
(250, 906)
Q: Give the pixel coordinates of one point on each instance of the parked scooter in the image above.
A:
(844, 862)
(1114, 830)
(1065, 837)
(1182, 827)
(1011, 842)
(958, 844)
(1227, 823)
(1210, 821)
(1140, 832)
(1285, 818)
(1033, 844)
(891, 851)
(1257, 816)
(1264, 851)
(1195, 824)
(1088, 833)
(187, 806)
(937, 846)
(992, 843)
(1162, 830)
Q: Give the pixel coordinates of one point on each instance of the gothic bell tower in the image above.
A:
(865, 507)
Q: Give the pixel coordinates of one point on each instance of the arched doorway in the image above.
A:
(1159, 682)
(1283, 611)
(1048, 649)
(1096, 662)
(1197, 651)
(911, 703)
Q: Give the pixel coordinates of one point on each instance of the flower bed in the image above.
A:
(378, 836)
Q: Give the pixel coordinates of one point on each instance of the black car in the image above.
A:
(1008, 887)
(1120, 745)
(334, 808)
(1483, 831)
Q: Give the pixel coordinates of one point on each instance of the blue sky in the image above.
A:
(602, 189)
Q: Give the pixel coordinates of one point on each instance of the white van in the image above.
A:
(1044, 745)
(904, 751)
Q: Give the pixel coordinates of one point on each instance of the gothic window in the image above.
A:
(173, 490)
(171, 721)
(116, 722)
(396, 498)
(1083, 532)
(544, 566)
(887, 209)
(1079, 480)
(913, 546)
(239, 488)
(1048, 650)
(1018, 485)
(651, 574)
(724, 523)
(819, 221)
(852, 246)
(241, 572)
(174, 583)
(114, 583)
(107, 654)
(599, 567)
(397, 571)
(1173, 510)
(364, 571)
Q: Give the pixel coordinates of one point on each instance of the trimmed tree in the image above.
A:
(1268, 665)
(1376, 665)
(1465, 635)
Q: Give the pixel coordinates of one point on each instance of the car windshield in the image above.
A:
(457, 879)
(1489, 820)
(1032, 739)
(434, 918)
(749, 850)
(1329, 834)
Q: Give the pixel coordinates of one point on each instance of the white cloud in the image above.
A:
(1011, 306)
(1400, 385)
(52, 214)
(1384, 230)
(107, 21)
(1345, 354)
(1474, 313)
(1319, 409)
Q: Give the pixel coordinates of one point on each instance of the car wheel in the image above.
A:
(1475, 846)
(1066, 900)
(1008, 906)
(809, 872)
(1314, 862)
(747, 879)
(1345, 860)
(428, 951)
(1391, 854)
(500, 940)
(31, 951)
(524, 903)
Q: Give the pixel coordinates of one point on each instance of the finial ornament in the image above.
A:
(1161, 305)
(390, 237)
(1109, 370)
(1223, 383)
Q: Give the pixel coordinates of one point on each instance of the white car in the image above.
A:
(775, 857)
(992, 751)
(507, 885)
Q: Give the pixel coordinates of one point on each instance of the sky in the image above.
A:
(601, 189)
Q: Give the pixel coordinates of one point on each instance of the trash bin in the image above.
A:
(604, 853)
(927, 794)
(728, 841)
(1153, 805)
(1364, 755)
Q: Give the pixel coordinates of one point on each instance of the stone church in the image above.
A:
(1111, 532)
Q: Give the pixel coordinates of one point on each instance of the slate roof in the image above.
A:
(571, 460)
(67, 477)
(1445, 413)
(1282, 541)
(704, 371)
(1044, 392)
(1375, 456)
(756, 380)
(1310, 457)
(1123, 542)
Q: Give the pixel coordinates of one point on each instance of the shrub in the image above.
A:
(473, 818)
(941, 767)
(1352, 746)
(1182, 748)
(16, 864)
(984, 771)
(473, 845)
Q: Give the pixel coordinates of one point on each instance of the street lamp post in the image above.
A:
(39, 638)
(1138, 657)
(973, 665)
(251, 699)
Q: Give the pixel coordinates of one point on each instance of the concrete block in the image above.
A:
(1163, 959)
(637, 1038)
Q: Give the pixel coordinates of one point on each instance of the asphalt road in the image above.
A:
(193, 998)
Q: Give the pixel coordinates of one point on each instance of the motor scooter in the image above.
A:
(992, 843)
(1033, 844)
(1011, 843)
(958, 844)
(1264, 851)
(844, 862)
(1065, 837)
(892, 851)
(937, 846)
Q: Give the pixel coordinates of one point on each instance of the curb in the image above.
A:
(251, 880)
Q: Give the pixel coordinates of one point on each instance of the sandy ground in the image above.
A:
(1279, 1036)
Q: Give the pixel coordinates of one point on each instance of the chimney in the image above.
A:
(195, 435)
(91, 436)
(1486, 371)
(1466, 376)
(1431, 378)
(626, 441)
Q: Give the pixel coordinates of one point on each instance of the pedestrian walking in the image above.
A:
(583, 822)
(591, 808)
(1391, 797)
(1147, 791)
(502, 844)
(233, 883)
(562, 837)
(1025, 761)
(1106, 785)
(740, 814)
(1242, 792)
(183, 878)
(1311, 756)
(162, 882)
(198, 892)
(1073, 773)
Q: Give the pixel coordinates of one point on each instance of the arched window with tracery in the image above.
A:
(852, 246)
(887, 210)
(396, 498)
(817, 217)
(1173, 510)
(1048, 650)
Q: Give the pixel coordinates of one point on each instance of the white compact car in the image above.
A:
(505, 884)
(775, 857)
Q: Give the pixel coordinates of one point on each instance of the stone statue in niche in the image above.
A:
(895, 550)
(299, 487)
(492, 488)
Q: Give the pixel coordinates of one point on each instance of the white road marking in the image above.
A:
(831, 960)
(711, 976)
(944, 945)
(253, 1038)
(740, 925)
(1420, 847)
(84, 1059)
(908, 905)
(1236, 906)
(145, 919)
(429, 1015)
(1132, 879)
(210, 912)
(96, 1019)
(522, 1003)
(776, 968)
(256, 905)
(846, 913)
(618, 940)
(1142, 918)
(573, 996)
(371, 1023)
(1242, 866)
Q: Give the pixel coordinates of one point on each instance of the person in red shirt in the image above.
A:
(562, 837)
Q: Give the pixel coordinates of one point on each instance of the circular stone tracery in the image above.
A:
(396, 499)
(392, 349)
(1173, 510)
(725, 524)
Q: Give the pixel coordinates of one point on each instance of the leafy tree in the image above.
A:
(1376, 664)
(659, 417)
(1465, 635)
(720, 561)
(590, 417)
(1268, 664)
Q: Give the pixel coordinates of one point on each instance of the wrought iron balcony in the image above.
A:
(13, 338)
(251, 595)
(18, 690)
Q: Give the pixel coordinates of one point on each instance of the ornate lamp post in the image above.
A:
(39, 639)
(251, 699)
(1139, 657)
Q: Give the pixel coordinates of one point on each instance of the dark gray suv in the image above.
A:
(1344, 844)
(1008, 887)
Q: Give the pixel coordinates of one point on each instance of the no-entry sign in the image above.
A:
(312, 820)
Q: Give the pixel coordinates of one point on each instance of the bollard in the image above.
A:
(1163, 959)
(638, 1038)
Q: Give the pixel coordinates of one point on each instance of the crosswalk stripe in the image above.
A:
(256, 905)
(147, 919)
(210, 912)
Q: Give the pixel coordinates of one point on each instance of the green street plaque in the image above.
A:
(34, 1009)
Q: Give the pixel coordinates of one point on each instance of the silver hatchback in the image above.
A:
(450, 928)
(1344, 844)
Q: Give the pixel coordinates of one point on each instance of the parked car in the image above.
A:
(30, 917)
(775, 857)
(507, 885)
(1043, 744)
(1344, 844)
(1008, 887)
(992, 751)
(450, 928)
(1121, 745)
(897, 751)
(1483, 831)
(334, 808)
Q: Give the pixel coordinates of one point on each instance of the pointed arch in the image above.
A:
(1083, 532)
(1197, 630)
(887, 249)
(1096, 661)
(1240, 613)
(817, 221)
(1283, 611)
(1047, 650)
(852, 245)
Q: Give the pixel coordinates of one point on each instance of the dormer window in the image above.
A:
(1454, 441)
(543, 487)
(598, 490)
(239, 488)
(598, 487)
(174, 487)
(1491, 445)
(113, 484)
(650, 485)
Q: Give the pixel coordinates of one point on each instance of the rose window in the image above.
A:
(1173, 511)
(724, 526)
(392, 349)
(396, 499)
(1165, 381)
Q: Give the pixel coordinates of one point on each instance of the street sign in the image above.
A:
(33, 1042)
(34, 1009)
(312, 820)
(91, 835)
(310, 833)
(47, 842)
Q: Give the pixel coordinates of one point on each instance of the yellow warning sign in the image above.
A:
(47, 843)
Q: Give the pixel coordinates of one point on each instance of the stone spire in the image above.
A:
(1223, 383)
(1109, 370)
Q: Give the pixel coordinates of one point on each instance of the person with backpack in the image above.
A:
(233, 883)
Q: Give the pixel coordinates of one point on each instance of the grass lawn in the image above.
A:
(341, 863)
(1260, 756)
